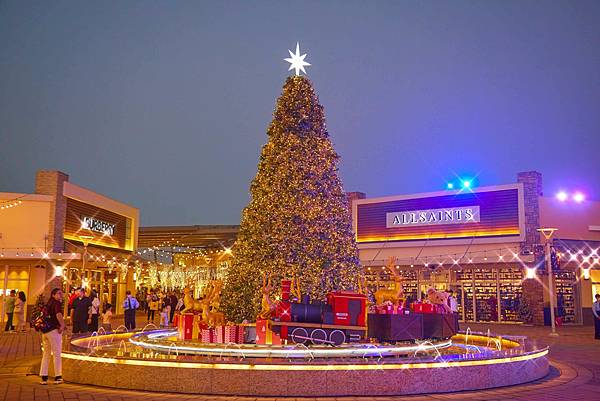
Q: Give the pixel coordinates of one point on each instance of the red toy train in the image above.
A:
(342, 319)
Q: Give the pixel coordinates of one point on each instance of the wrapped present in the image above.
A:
(220, 334)
(207, 335)
(234, 334)
(185, 328)
(264, 333)
(196, 327)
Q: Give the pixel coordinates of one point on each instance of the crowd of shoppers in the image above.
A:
(86, 314)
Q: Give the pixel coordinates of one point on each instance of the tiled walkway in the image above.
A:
(575, 374)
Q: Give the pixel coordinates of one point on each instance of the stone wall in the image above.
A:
(51, 183)
(532, 288)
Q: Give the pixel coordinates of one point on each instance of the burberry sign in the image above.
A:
(100, 226)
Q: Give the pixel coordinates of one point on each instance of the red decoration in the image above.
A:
(342, 302)
(207, 335)
(234, 334)
(185, 328)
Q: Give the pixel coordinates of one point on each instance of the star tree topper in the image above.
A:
(297, 61)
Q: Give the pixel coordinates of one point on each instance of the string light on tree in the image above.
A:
(298, 221)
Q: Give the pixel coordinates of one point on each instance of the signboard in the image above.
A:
(90, 223)
(453, 215)
(106, 228)
(487, 212)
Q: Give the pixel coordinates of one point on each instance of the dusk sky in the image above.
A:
(165, 104)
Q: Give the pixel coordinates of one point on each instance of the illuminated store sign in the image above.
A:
(485, 212)
(90, 223)
(455, 215)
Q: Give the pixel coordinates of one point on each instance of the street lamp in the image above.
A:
(86, 240)
(547, 233)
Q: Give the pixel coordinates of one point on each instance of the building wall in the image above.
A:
(103, 202)
(572, 220)
(25, 225)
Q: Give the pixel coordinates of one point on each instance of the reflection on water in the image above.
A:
(163, 344)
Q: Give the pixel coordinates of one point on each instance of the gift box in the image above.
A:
(207, 335)
(422, 307)
(264, 334)
(234, 334)
(185, 328)
(220, 334)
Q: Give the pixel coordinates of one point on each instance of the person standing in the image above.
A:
(148, 300)
(19, 312)
(452, 302)
(173, 303)
(80, 312)
(52, 337)
(106, 318)
(596, 312)
(9, 307)
(153, 307)
(95, 311)
(129, 306)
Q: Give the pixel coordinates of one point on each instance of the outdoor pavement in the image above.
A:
(575, 373)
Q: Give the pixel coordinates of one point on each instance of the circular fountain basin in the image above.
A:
(156, 361)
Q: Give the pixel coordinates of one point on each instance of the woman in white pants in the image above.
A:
(52, 337)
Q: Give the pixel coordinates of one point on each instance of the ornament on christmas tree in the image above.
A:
(298, 221)
(297, 61)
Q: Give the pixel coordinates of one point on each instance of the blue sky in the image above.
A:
(165, 104)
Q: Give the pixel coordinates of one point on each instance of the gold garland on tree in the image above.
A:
(298, 221)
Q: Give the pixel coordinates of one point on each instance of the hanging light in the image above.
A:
(586, 273)
(530, 272)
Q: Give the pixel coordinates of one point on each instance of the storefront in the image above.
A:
(66, 236)
(482, 244)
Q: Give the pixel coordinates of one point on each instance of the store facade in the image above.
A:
(66, 236)
(482, 244)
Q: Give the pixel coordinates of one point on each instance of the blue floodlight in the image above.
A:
(466, 184)
(450, 185)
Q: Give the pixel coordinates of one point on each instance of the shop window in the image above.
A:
(566, 296)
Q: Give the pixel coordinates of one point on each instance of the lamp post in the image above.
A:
(547, 233)
(86, 240)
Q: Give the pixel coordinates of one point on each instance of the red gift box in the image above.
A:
(234, 334)
(264, 334)
(427, 308)
(185, 326)
(220, 334)
(207, 335)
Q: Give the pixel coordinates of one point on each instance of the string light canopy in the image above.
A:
(10, 203)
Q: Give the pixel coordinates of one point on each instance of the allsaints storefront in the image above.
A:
(482, 244)
(66, 235)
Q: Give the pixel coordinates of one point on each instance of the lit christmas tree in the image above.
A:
(298, 221)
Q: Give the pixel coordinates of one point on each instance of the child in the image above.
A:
(164, 315)
(106, 316)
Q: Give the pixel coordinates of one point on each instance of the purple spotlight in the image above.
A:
(562, 196)
(578, 197)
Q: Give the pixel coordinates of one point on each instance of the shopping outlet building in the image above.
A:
(64, 235)
(485, 245)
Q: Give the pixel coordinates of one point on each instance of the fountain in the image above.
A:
(364, 368)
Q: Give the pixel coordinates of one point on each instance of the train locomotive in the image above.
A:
(342, 319)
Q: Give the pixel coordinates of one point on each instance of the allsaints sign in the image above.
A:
(100, 226)
(430, 217)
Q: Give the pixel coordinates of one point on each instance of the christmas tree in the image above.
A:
(298, 222)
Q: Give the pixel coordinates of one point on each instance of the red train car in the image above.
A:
(342, 319)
